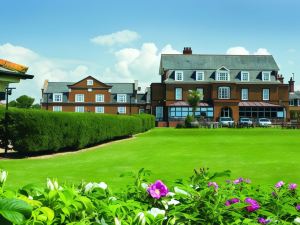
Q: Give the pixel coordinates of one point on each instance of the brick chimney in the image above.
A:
(280, 78)
(291, 85)
(187, 51)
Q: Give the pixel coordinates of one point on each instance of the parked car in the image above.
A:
(226, 122)
(245, 122)
(264, 122)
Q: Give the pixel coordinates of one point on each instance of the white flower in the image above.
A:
(180, 191)
(297, 220)
(112, 198)
(155, 212)
(165, 204)
(3, 176)
(117, 221)
(50, 185)
(102, 185)
(55, 185)
(173, 202)
(170, 194)
(142, 218)
(144, 185)
(30, 197)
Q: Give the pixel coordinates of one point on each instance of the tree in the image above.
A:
(194, 98)
(24, 101)
(36, 106)
(12, 103)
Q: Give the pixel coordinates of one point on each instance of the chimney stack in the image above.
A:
(187, 51)
(291, 85)
(280, 78)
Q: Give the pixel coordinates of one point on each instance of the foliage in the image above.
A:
(188, 121)
(194, 98)
(37, 130)
(36, 106)
(197, 200)
(180, 125)
(24, 101)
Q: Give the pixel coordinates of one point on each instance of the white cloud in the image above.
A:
(239, 50)
(261, 51)
(120, 37)
(42, 68)
(137, 64)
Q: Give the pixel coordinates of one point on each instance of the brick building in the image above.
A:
(232, 85)
(91, 95)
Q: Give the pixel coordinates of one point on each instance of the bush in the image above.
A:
(180, 125)
(188, 120)
(198, 200)
(38, 130)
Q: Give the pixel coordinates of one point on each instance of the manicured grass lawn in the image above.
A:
(263, 155)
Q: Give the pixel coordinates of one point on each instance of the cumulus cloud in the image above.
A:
(261, 51)
(239, 50)
(42, 68)
(140, 64)
(120, 37)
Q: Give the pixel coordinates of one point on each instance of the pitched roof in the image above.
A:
(121, 88)
(4, 71)
(213, 62)
(58, 87)
(294, 95)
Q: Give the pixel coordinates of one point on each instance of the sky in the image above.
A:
(121, 41)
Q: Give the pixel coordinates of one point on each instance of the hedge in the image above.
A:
(38, 130)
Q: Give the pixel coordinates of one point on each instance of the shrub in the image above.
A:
(188, 120)
(198, 200)
(180, 125)
(38, 130)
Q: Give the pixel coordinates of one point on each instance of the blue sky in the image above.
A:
(54, 38)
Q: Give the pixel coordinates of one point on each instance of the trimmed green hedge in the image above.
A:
(38, 130)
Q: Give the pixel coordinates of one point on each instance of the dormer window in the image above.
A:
(179, 75)
(89, 82)
(199, 75)
(266, 75)
(121, 97)
(57, 97)
(244, 76)
(222, 74)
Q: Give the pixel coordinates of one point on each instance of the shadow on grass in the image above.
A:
(21, 155)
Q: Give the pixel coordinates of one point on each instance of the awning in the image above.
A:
(182, 103)
(257, 104)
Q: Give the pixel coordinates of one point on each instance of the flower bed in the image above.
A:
(198, 200)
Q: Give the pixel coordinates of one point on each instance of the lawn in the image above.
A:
(265, 155)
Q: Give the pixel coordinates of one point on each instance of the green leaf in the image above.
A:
(48, 213)
(14, 210)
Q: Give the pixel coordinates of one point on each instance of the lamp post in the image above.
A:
(8, 92)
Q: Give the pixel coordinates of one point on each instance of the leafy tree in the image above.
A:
(12, 103)
(36, 106)
(194, 98)
(24, 101)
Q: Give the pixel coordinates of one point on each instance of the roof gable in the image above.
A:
(83, 83)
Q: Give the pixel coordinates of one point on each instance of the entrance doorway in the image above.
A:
(226, 112)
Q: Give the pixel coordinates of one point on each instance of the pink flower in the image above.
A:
(232, 201)
(214, 184)
(298, 207)
(262, 220)
(253, 205)
(279, 184)
(292, 186)
(158, 189)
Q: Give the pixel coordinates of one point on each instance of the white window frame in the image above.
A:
(90, 89)
(178, 93)
(242, 76)
(220, 74)
(245, 94)
(99, 98)
(201, 92)
(224, 93)
(263, 75)
(90, 82)
(122, 109)
(99, 109)
(264, 93)
(78, 98)
(60, 96)
(159, 112)
(178, 74)
(298, 102)
(57, 108)
(292, 102)
(199, 74)
(79, 109)
(121, 98)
